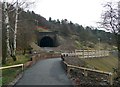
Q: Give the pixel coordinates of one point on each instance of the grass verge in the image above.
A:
(107, 64)
(0, 81)
(10, 74)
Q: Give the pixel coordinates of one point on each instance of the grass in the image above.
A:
(0, 81)
(43, 30)
(10, 74)
(20, 59)
(105, 64)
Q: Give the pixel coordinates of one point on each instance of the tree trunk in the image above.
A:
(118, 43)
(7, 28)
(4, 45)
(24, 51)
(118, 40)
(15, 32)
(10, 48)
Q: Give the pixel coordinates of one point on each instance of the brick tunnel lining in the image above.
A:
(46, 42)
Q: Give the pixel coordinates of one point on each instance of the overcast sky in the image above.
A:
(83, 12)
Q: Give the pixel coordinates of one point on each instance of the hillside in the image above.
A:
(70, 35)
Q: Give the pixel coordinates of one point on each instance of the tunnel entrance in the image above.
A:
(46, 42)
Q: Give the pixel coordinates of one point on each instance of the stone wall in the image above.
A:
(38, 57)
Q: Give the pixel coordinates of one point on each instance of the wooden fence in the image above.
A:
(12, 66)
(69, 67)
(87, 53)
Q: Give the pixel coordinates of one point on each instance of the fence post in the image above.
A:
(85, 73)
(110, 79)
(88, 53)
(83, 53)
(68, 71)
(95, 53)
(22, 67)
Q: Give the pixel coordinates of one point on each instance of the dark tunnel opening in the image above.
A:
(46, 42)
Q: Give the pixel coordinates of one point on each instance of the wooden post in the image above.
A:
(104, 53)
(88, 53)
(22, 67)
(83, 53)
(93, 53)
(68, 71)
(85, 73)
(110, 79)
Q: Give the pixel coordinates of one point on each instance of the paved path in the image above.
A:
(46, 72)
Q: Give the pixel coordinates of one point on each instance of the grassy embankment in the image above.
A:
(108, 64)
(10, 74)
(104, 64)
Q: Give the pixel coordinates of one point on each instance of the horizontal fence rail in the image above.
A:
(12, 66)
(88, 69)
(109, 73)
(87, 53)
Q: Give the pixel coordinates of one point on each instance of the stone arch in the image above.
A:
(46, 41)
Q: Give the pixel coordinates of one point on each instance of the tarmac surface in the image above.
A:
(46, 72)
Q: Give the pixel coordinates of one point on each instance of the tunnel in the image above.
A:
(46, 42)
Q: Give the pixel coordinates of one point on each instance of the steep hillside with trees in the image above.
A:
(70, 33)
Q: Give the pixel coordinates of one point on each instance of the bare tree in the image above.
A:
(111, 22)
(18, 4)
(0, 34)
(7, 27)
